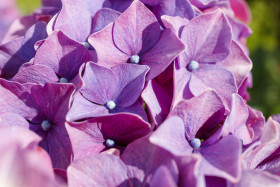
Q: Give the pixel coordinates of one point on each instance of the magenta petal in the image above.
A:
(33, 34)
(101, 84)
(162, 54)
(122, 83)
(63, 55)
(144, 158)
(241, 10)
(270, 142)
(238, 63)
(102, 18)
(11, 95)
(208, 37)
(89, 137)
(10, 63)
(20, 50)
(70, 20)
(99, 170)
(53, 100)
(171, 136)
(82, 108)
(255, 123)
(59, 146)
(222, 81)
(51, 3)
(86, 139)
(158, 99)
(103, 43)
(236, 121)
(252, 178)
(272, 166)
(205, 110)
(180, 8)
(131, 82)
(39, 74)
(189, 171)
(136, 108)
(181, 84)
(176, 23)
(222, 159)
(163, 178)
(21, 136)
(136, 30)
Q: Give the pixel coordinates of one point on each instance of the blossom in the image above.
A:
(44, 109)
(92, 136)
(58, 59)
(109, 90)
(138, 42)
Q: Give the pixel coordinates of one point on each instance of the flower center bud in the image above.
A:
(86, 44)
(63, 80)
(110, 143)
(111, 105)
(195, 143)
(193, 65)
(135, 59)
(46, 125)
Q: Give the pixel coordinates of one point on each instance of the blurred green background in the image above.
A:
(264, 47)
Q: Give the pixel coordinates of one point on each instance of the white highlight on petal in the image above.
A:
(193, 65)
(195, 143)
(111, 105)
(46, 125)
(86, 44)
(110, 143)
(135, 59)
(63, 80)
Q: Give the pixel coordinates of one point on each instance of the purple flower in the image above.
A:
(44, 108)
(215, 157)
(192, 132)
(135, 37)
(211, 60)
(265, 156)
(20, 50)
(142, 163)
(100, 133)
(109, 90)
(78, 27)
(58, 59)
(145, 160)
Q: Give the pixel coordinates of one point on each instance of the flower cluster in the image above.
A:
(132, 93)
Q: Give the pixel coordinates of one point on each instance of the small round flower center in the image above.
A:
(193, 65)
(46, 125)
(110, 143)
(135, 59)
(86, 44)
(63, 80)
(111, 105)
(195, 143)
